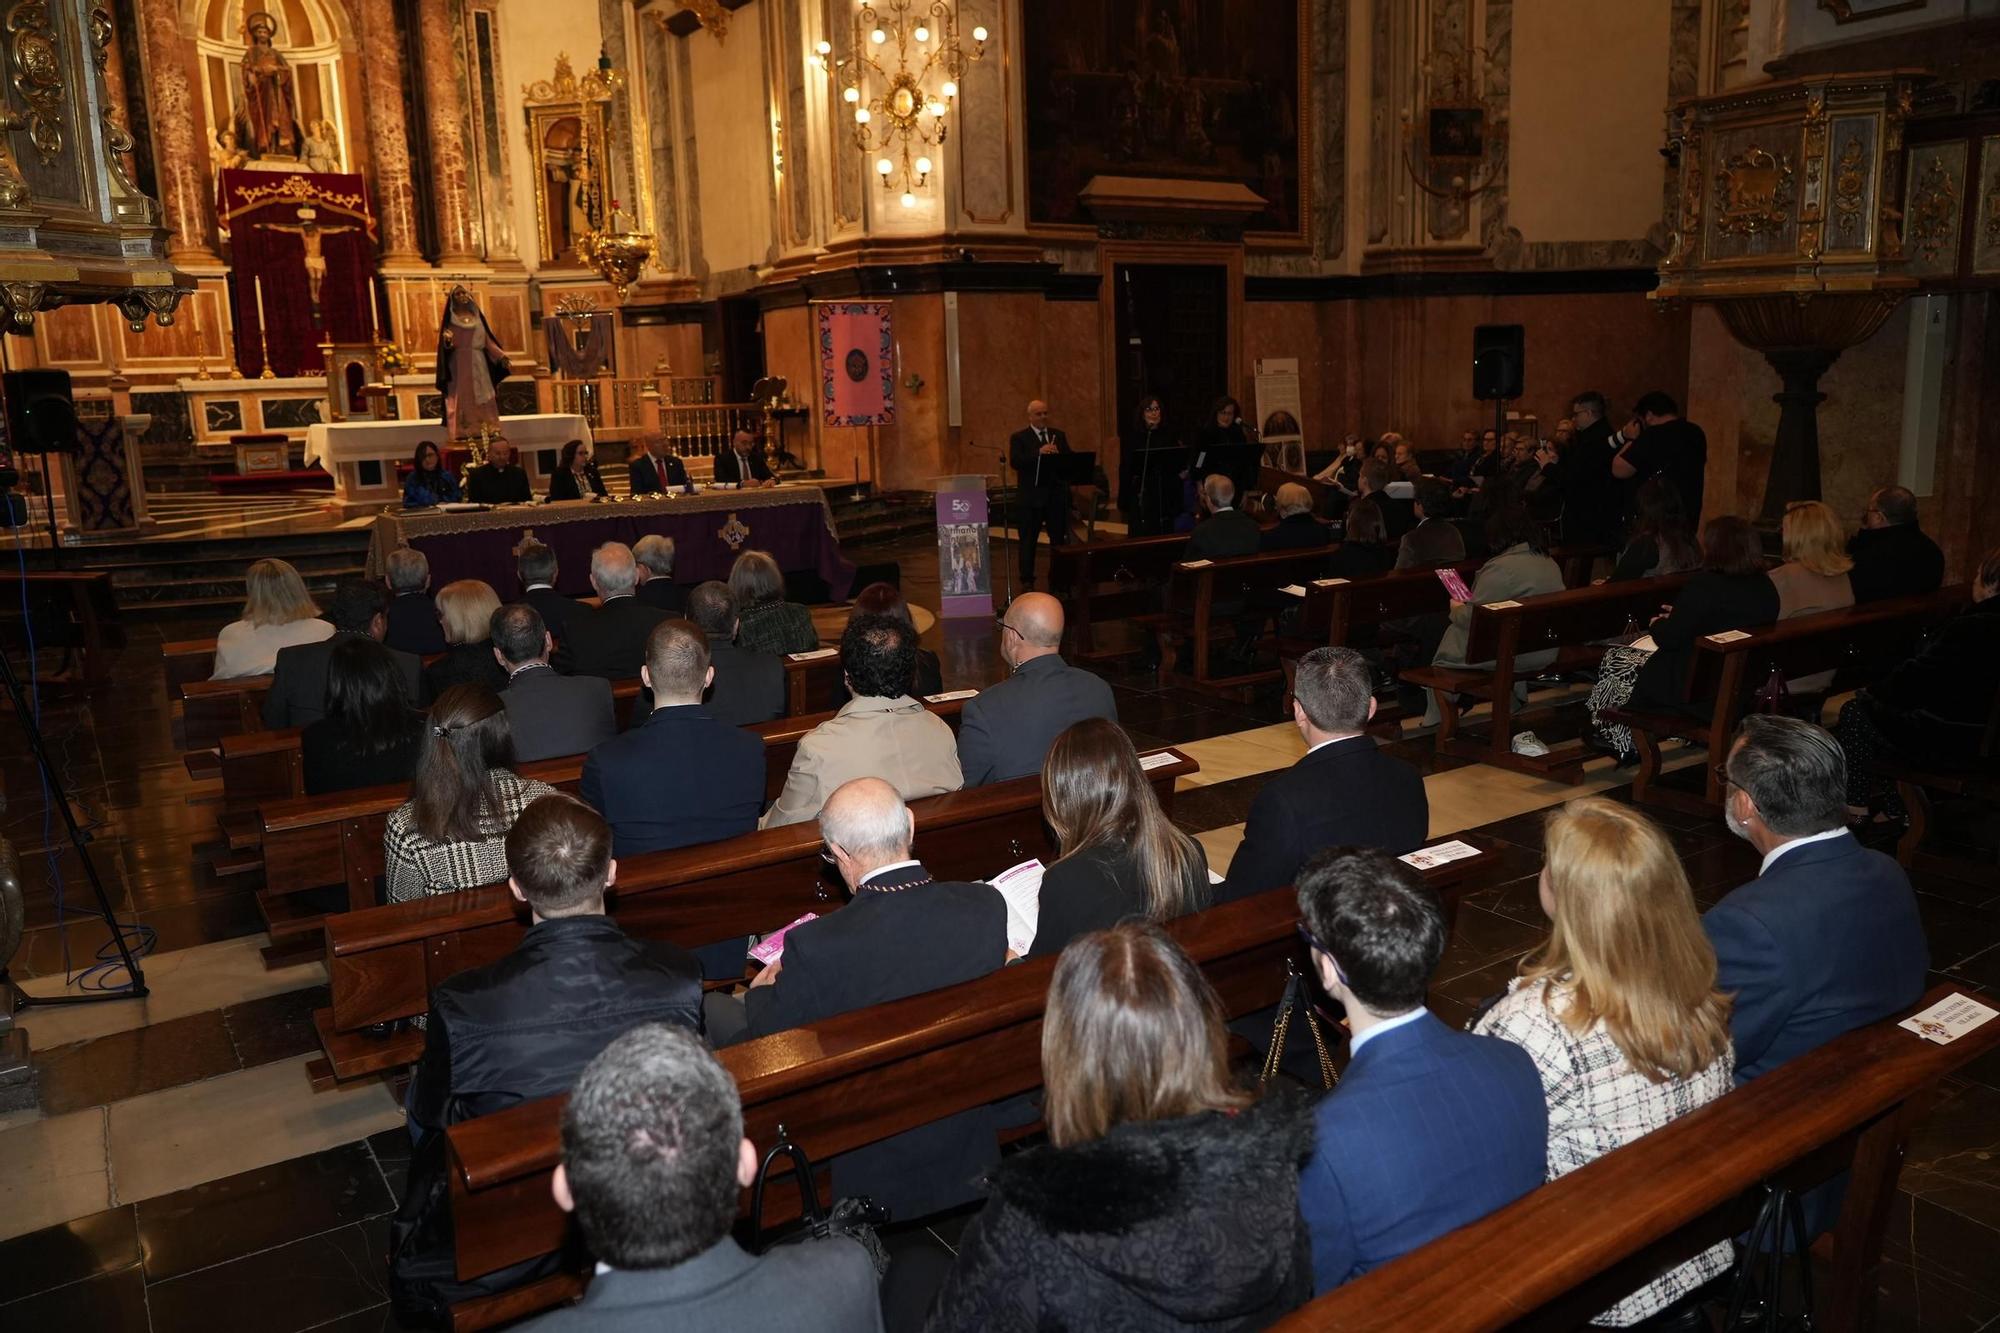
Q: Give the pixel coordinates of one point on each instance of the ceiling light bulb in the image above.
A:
(923, 166)
(923, 34)
(824, 48)
(909, 200)
(935, 108)
(878, 37)
(979, 34)
(883, 166)
(950, 88)
(861, 116)
(852, 95)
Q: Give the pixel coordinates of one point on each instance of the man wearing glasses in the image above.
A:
(1006, 731)
(1892, 555)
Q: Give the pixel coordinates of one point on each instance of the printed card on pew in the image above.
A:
(1293, 589)
(1021, 886)
(1949, 1019)
(1728, 636)
(1196, 564)
(772, 947)
(814, 655)
(948, 696)
(1429, 858)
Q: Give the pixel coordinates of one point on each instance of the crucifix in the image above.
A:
(310, 234)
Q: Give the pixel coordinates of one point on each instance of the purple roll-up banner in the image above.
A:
(965, 573)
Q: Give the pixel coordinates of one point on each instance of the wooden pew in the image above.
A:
(849, 1081)
(313, 842)
(1334, 610)
(812, 682)
(1574, 622)
(1574, 1246)
(1915, 782)
(1725, 674)
(186, 660)
(1194, 593)
(1114, 580)
(383, 962)
(76, 610)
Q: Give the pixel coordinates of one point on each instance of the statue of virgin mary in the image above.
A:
(469, 365)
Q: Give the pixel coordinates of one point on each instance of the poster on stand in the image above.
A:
(965, 574)
(1281, 414)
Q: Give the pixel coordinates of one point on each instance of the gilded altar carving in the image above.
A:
(38, 74)
(1755, 191)
(1933, 212)
(1986, 237)
(1850, 181)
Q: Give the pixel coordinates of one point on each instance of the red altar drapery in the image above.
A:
(253, 202)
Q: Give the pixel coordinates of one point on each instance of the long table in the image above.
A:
(794, 523)
(362, 455)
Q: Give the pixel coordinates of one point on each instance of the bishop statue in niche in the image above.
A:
(270, 113)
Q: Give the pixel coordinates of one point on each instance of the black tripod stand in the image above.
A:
(24, 713)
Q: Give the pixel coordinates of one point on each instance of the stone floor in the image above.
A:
(180, 1173)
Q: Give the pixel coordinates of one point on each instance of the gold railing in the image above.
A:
(703, 430)
(604, 402)
(677, 409)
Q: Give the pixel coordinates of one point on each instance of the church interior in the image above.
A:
(327, 283)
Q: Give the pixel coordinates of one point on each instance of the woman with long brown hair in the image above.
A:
(1619, 1007)
(1166, 1197)
(1121, 856)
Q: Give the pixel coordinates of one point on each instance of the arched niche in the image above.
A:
(309, 39)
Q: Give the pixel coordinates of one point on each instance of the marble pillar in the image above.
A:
(182, 173)
(452, 165)
(388, 132)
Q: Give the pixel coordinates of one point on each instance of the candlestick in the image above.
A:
(263, 341)
(381, 305)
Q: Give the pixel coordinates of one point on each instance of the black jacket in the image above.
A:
(1224, 533)
(562, 486)
(555, 715)
(413, 624)
(1190, 1223)
(1346, 793)
(465, 664)
(1708, 604)
(727, 469)
(1434, 541)
(1934, 706)
(1096, 889)
(1023, 448)
(496, 485)
(1356, 560)
(1592, 505)
(331, 763)
(1896, 561)
(1295, 532)
(646, 473)
(556, 609)
(297, 696)
(662, 594)
(610, 640)
(679, 778)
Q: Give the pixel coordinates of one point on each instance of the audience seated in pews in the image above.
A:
(411, 615)
(1224, 530)
(576, 474)
(500, 479)
(886, 599)
(1892, 555)
(551, 715)
(465, 611)
(369, 735)
(1344, 472)
(1006, 730)
(464, 798)
(522, 1027)
(1121, 856)
(765, 620)
(1931, 708)
(430, 482)
(1814, 576)
(609, 640)
(653, 1160)
(1619, 1010)
(1403, 457)
(1435, 540)
(683, 776)
(1398, 514)
(297, 696)
(654, 555)
(1429, 1129)
(1518, 568)
(1365, 549)
(880, 732)
(655, 467)
(537, 567)
(278, 613)
(1477, 465)
(1345, 791)
(1167, 1197)
(749, 683)
(1660, 542)
(1296, 528)
(1729, 591)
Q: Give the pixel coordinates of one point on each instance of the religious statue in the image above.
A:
(227, 155)
(270, 109)
(310, 235)
(322, 148)
(469, 365)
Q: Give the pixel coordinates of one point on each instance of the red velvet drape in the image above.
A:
(253, 199)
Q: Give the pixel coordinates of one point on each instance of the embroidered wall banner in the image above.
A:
(857, 362)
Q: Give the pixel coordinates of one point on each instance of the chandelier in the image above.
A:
(898, 48)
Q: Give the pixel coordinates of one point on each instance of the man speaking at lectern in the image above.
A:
(1042, 501)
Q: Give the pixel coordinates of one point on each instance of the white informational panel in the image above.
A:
(1281, 414)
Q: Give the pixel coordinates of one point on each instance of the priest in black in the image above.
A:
(499, 480)
(1040, 503)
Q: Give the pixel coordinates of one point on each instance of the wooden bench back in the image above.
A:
(1105, 581)
(185, 661)
(1574, 617)
(812, 685)
(1336, 608)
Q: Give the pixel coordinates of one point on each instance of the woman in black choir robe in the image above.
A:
(1149, 483)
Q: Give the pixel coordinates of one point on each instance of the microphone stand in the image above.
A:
(1007, 565)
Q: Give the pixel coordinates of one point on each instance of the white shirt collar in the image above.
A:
(534, 587)
(1361, 1039)
(1784, 847)
(1333, 740)
(880, 871)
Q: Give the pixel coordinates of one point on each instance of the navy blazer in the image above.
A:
(413, 626)
(1429, 1130)
(1825, 941)
(679, 778)
(1005, 730)
(1347, 793)
(645, 473)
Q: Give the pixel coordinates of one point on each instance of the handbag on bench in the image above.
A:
(855, 1218)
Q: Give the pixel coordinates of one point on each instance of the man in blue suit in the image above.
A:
(1430, 1129)
(682, 776)
(1826, 938)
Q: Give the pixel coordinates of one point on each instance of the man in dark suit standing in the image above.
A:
(678, 1267)
(1344, 792)
(681, 777)
(499, 480)
(550, 715)
(610, 640)
(1435, 540)
(537, 568)
(1040, 503)
(1430, 1128)
(743, 462)
(297, 696)
(1005, 731)
(657, 589)
(656, 468)
(1593, 512)
(411, 615)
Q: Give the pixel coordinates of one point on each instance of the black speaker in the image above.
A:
(1499, 361)
(41, 414)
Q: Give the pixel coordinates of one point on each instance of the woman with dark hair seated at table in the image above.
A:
(429, 483)
(576, 472)
(369, 734)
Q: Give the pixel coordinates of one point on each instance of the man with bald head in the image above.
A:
(1005, 732)
(610, 641)
(1042, 500)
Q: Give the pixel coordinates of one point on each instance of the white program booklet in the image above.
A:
(1294, 589)
(1157, 759)
(1424, 858)
(1949, 1019)
(814, 655)
(1021, 886)
(948, 696)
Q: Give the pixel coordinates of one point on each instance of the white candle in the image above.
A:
(257, 283)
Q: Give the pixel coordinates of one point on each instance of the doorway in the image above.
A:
(1171, 330)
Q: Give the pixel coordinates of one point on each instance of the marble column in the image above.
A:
(182, 174)
(452, 165)
(388, 132)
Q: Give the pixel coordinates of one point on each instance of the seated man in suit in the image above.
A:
(1005, 731)
(610, 640)
(1435, 540)
(1227, 530)
(681, 776)
(500, 479)
(1892, 555)
(749, 683)
(411, 615)
(1827, 937)
(742, 463)
(658, 1221)
(879, 732)
(1398, 512)
(523, 1027)
(536, 565)
(656, 468)
(657, 589)
(550, 715)
(1430, 1128)
(1296, 528)
(297, 696)
(1345, 791)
